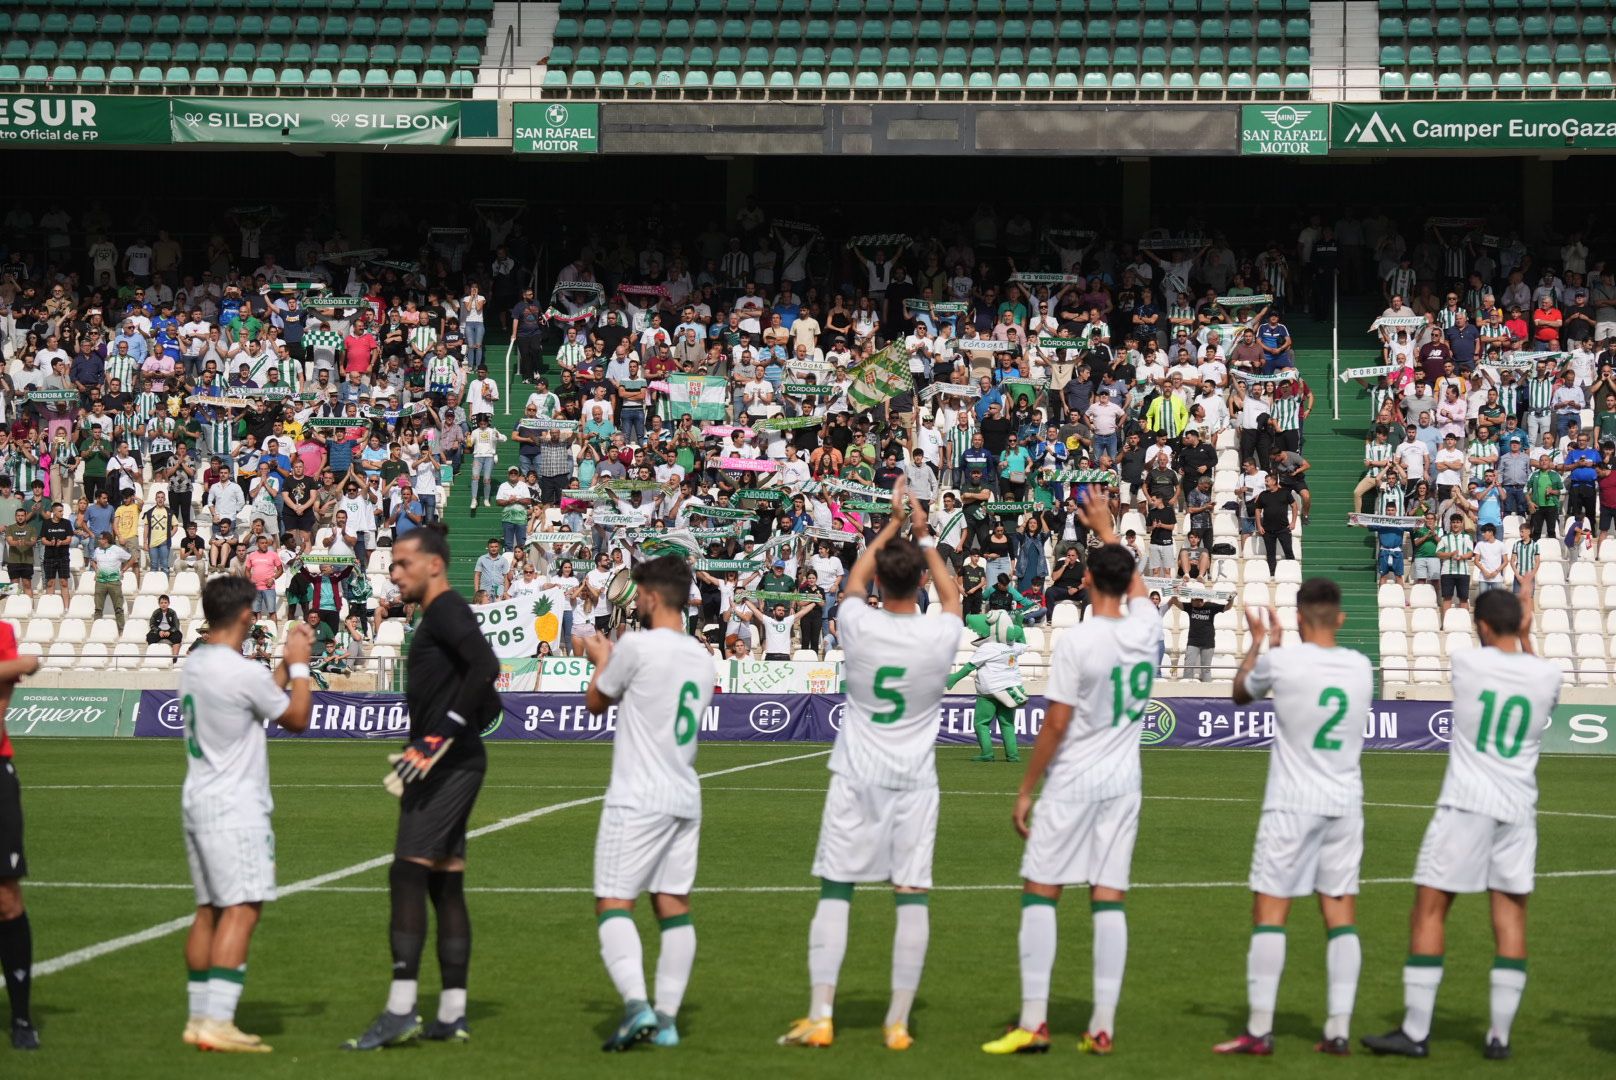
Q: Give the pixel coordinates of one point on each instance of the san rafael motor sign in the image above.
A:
(1492, 125)
(1285, 130)
(555, 128)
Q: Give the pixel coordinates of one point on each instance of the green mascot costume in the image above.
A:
(999, 689)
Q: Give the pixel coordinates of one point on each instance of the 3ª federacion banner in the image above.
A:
(308, 120)
(1175, 723)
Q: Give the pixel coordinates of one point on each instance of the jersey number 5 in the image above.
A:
(888, 693)
(1128, 703)
(684, 721)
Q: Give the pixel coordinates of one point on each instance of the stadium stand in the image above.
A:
(377, 47)
(1504, 49)
(921, 50)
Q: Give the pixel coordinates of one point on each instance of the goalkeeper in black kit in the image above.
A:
(451, 699)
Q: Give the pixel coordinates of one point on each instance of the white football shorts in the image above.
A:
(232, 866)
(873, 834)
(639, 851)
(1301, 854)
(1467, 852)
(1076, 843)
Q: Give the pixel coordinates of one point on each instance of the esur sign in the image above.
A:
(555, 128)
(63, 119)
(1285, 130)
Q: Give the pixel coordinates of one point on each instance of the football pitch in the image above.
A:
(110, 894)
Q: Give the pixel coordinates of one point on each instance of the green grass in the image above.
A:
(107, 814)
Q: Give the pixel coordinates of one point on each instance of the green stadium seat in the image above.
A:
(1152, 81)
(926, 58)
(1447, 28)
(436, 79)
(1125, 56)
(1421, 56)
(1298, 82)
(205, 77)
(271, 53)
(1449, 82)
(265, 77)
(898, 59)
(1392, 82)
(1184, 30)
(1597, 53)
(1419, 29)
(141, 25)
(1240, 56)
(1268, 56)
(616, 57)
(1126, 30)
(621, 30)
(251, 25)
(644, 57)
(1095, 80)
(167, 26)
(1069, 58)
(67, 74)
(1421, 81)
(1066, 80)
(867, 80)
(1479, 56)
(1509, 82)
(758, 57)
(580, 79)
(1213, 30)
(1124, 80)
(233, 76)
(1182, 56)
(588, 57)
(1071, 30)
(1097, 56)
(841, 30)
(1210, 80)
(1479, 83)
(1564, 26)
(14, 52)
(1270, 29)
(701, 56)
(1211, 56)
(1477, 27)
(813, 57)
(74, 52)
(1013, 29)
(83, 25)
(469, 56)
(553, 77)
(112, 25)
(1240, 82)
(566, 29)
(1567, 55)
(1042, 30)
(810, 80)
(383, 55)
(1535, 26)
(1537, 54)
(1598, 81)
(637, 80)
(128, 53)
(43, 52)
(1595, 26)
(1269, 81)
(1508, 55)
(1154, 56)
(1298, 56)
(837, 80)
(929, 30)
(1180, 80)
(782, 80)
(870, 58)
(983, 59)
(839, 58)
(214, 53)
(678, 29)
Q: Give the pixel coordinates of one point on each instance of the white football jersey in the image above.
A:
(1501, 704)
(896, 667)
(1321, 697)
(1105, 670)
(226, 700)
(663, 682)
(995, 665)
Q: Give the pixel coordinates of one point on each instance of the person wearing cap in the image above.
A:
(514, 498)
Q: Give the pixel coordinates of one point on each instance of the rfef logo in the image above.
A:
(1157, 725)
(1441, 725)
(769, 718)
(168, 715)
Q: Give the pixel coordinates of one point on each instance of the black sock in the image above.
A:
(17, 958)
(408, 882)
(448, 891)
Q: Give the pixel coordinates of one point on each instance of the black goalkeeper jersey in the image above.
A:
(452, 669)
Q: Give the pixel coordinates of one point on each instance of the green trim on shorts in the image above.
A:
(1341, 931)
(1029, 899)
(835, 890)
(1423, 960)
(1509, 963)
(1097, 906)
(905, 899)
(235, 975)
(614, 913)
(674, 921)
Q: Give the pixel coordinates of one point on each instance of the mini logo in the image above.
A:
(838, 713)
(1374, 131)
(1441, 724)
(168, 715)
(194, 119)
(1287, 116)
(770, 718)
(1157, 725)
(340, 119)
(556, 115)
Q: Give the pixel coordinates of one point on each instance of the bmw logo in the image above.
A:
(556, 115)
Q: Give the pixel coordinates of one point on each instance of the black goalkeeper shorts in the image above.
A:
(433, 814)
(13, 860)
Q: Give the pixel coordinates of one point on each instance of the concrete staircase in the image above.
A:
(520, 36)
(1346, 51)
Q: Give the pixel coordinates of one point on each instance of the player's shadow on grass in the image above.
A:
(268, 1017)
(1234, 1018)
(1601, 1032)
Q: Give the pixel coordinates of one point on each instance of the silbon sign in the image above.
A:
(1494, 125)
(271, 120)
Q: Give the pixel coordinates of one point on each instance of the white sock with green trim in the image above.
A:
(674, 961)
(196, 990)
(909, 941)
(1265, 962)
(1421, 977)
(827, 945)
(1508, 984)
(1110, 960)
(1343, 957)
(620, 951)
(1037, 940)
(224, 992)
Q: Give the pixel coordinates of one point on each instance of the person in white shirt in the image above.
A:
(481, 395)
(880, 818)
(484, 440)
(662, 683)
(1310, 835)
(1483, 836)
(1087, 757)
(472, 325)
(225, 703)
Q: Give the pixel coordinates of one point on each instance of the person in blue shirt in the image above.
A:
(1275, 339)
(1389, 554)
(1582, 479)
(1489, 500)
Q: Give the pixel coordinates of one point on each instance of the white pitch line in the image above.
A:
(578, 890)
(152, 933)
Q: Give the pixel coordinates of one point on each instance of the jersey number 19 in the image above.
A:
(1128, 703)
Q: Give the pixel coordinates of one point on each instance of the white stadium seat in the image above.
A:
(155, 583)
(1587, 621)
(1592, 647)
(18, 606)
(1593, 672)
(41, 631)
(71, 631)
(79, 607)
(49, 607)
(1423, 619)
(1557, 645)
(93, 655)
(104, 631)
(1457, 641)
(1584, 596)
(1551, 597)
(60, 655)
(1391, 595)
(1554, 621)
(1393, 619)
(1582, 572)
(141, 610)
(1457, 618)
(133, 632)
(805, 655)
(1394, 643)
(391, 633)
(126, 656)
(186, 584)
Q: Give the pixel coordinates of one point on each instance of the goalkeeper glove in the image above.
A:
(415, 762)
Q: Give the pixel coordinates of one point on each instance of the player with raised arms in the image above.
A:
(1483, 836)
(225, 702)
(880, 818)
(661, 680)
(451, 698)
(1310, 835)
(1087, 756)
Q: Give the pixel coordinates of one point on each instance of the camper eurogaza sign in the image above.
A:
(1492, 125)
(555, 128)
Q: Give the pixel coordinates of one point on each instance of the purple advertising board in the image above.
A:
(1172, 722)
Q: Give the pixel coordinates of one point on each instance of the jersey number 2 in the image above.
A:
(888, 693)
(1130, 703)
(684, 721)
(1328, 697)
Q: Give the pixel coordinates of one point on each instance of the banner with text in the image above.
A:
(102, 121)
(1491, 125)
(554, 128)
(310, 120)
(79, 713)
(1187, 723)
(1285, 130)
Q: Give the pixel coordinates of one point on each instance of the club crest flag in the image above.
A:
(883, 376)
(704, 397)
